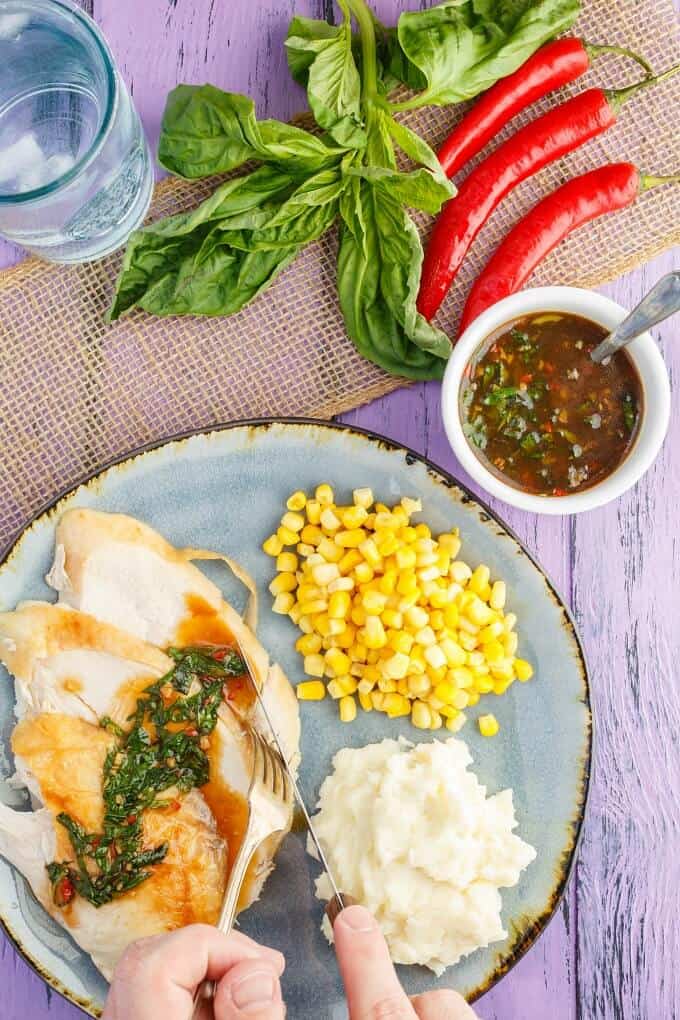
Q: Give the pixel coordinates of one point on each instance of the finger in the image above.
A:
(187, 956)
(444, 1004)
(371, 984)
(250, 989)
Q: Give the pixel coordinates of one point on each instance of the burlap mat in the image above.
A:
(76, 392)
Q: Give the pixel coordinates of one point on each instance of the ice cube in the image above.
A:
(12, 25)
(23, 155)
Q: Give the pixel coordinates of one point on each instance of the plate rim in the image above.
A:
(539, 925)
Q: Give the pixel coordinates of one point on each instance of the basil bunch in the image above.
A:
(218, 257)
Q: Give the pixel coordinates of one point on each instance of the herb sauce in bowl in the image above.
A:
(540, 414)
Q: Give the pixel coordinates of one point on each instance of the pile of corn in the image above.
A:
(389, 614)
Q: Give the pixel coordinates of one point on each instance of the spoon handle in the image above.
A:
(663, 300)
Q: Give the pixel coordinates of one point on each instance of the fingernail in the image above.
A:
(251, 994)
(357, 918)
(337, 904)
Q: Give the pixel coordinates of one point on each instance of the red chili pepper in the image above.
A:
(555, 64)
(64, 892)
(131, 819)
(580, 200)
(538, 143)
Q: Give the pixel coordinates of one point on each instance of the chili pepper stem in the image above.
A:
(649, 181)
(617, 97)
(596, 49)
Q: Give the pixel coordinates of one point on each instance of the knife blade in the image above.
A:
(323, 860)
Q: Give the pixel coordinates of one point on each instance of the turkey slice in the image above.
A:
(123, 572)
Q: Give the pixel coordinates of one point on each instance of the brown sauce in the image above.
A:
(540, 414)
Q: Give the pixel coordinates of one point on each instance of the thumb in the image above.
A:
(371, 984)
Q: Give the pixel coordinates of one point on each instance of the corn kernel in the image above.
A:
(494, 652)
(287, 536)
(488, 725)
(416, 617)
(420, 715)
(392, 618)
(374, 602)
(314, 665)
(308, 644)
(491, 632)
(353, 517)
(295, 614)
(461, 677)
(283, 603)
(498, 595)
(388, 582)
(311, 690)
(329, 520)
(436, 720)
(396, 705)
(460, 699)
(523, 670)
(418, 686)
(509, 621)
(484, 684)
(407, 583)
(473, 698)
(363, 573)
(374, 633)
(348, 709)
(336, 690)
(337, 662)
(377, 698)
(358, 615)
(451, 543)
(399, 640)
(305, 624)
(339, 605)
(380, 508)
(426, 636)
(272, 545)
(287, 562)
(363, 498)
(304, 550)
(387, 685)
(405, 557)
(479, 579)
(460, 572)
(435, 703)
(313, 511)
(324, 494)
(331, 552)
(313, 607)
(422, 531)
(397, 666)
(437, 620)
(456, 722)
(366, 701)
(292, 521)
(311, 534)
(283, 582)
(388, 544)
(501, 686)
(479, 613)
(434, 656)
(510, 642)
(445, 692)
(408, 534)
(351, 539)
(340, 584)
(369, 551)
(451, 616)
(467, 641)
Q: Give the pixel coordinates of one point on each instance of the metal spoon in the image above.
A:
(661, 302)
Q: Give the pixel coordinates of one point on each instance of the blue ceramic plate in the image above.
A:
(225, 490)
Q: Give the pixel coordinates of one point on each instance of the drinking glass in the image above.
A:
(75, 170)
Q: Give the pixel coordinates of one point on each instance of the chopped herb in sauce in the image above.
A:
(163, 750)
(541, 414)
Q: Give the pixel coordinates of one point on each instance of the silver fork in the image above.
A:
(270, 800)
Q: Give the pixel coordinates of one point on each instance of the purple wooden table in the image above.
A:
(612, 949)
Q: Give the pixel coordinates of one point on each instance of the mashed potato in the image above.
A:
(411, 834)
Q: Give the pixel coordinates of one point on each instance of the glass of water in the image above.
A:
(75, 170)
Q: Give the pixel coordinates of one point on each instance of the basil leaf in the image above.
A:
(419, 151)
(419, 189)
(303, 217)
(216, 259)
(333, 84)
(378, 275)
(458, 49)
(206, 131)
(179, 265)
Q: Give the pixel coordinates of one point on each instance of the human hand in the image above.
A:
(157, 977)
(371, 984)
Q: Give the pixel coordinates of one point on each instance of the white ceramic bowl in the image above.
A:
(643, 352)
